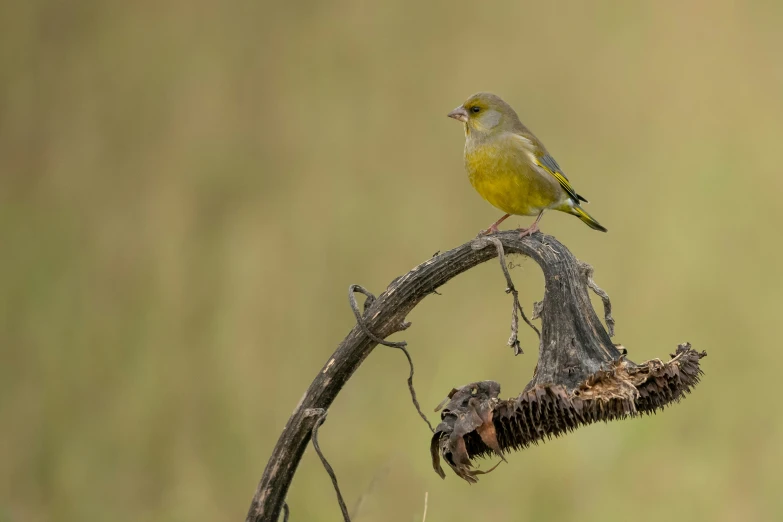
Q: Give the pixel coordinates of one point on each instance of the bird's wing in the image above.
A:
(541, 158)
(548, 163)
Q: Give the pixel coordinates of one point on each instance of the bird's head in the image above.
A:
(485, 114)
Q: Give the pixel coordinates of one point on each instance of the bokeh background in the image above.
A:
(188, 188)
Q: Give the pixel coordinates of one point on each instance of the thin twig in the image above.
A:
(285, 512)
(502, 258)
(328, 468)
(413, 390)
(587, 270)
(424, 516)
(360, 321)
(400, 345)
(513, 340)
(531, 325)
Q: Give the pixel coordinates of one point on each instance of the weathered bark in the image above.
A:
(574, 344)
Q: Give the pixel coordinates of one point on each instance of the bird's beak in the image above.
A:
(459, 114)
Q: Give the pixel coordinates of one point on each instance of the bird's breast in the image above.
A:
(507, 179)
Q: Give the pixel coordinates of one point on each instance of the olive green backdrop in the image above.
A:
(188, 188)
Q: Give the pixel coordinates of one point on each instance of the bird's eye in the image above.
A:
(475, 109)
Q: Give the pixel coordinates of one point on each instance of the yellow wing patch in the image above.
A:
(549, 164)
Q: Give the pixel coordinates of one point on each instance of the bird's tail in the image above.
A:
(587, 218)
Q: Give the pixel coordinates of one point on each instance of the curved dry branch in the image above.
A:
(573, 348)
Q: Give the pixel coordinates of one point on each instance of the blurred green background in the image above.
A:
(188, 188)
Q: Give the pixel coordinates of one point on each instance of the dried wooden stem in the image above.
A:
(574, 344)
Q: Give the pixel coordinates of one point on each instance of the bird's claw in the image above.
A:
(529, 231)
(491, 230)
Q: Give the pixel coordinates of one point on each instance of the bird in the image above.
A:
(510, 168)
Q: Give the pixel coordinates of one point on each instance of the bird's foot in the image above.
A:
(529, 231)
(491, 230)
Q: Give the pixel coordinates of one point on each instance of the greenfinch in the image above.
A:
(510, 167)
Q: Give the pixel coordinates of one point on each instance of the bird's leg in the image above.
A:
(532, 229)
(493, 228)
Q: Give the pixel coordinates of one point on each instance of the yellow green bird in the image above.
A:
(510, 167)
